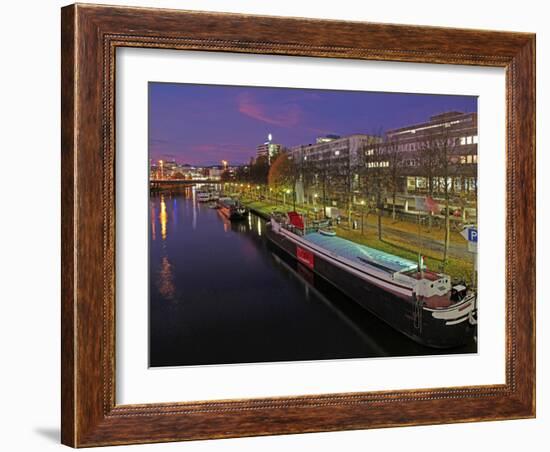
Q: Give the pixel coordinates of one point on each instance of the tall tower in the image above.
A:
(268, 149)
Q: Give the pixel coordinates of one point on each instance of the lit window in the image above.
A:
(468, 140)
(475, 139)
(474, 158)
(469, 159)
(462, 140)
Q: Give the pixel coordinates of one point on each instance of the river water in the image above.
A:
(220, 293)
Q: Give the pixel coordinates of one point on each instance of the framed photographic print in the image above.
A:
(270, 225)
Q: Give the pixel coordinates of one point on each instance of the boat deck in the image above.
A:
(360, 253)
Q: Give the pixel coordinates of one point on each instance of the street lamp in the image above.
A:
(362, 216)
(285, 192)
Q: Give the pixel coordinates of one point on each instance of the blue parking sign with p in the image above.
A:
(472, 235)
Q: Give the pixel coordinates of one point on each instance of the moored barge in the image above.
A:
(419, 303)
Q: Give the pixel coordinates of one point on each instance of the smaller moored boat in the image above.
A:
(232, 209)
(203, 196)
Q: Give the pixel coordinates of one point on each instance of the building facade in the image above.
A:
(428, 158)
(430, 154)
(268, 149)
(330, 168)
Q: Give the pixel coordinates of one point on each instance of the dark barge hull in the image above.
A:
(401, 313)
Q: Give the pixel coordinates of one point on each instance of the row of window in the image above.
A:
(468, 140)
(429, 126)
(384, 164)
(438, 183)
(472, 139)
(464, 159)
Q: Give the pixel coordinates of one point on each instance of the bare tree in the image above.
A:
(429, 164)
(344, 170)
(373, 172)
(393, 155)
(429, 161)
(319, 170)
(442, 149)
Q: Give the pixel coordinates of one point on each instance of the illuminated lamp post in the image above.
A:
(362, 216)
(285, 192)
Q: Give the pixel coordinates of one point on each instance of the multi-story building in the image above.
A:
(416, 159)
(337, 150)
(422, 148)
(215, 172)
(332, 164)
(268, 149)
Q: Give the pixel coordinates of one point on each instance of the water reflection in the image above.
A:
(195, 206)
(166, 285)
(306, 277)
(153, 221)
(234, 298)
(163, 217)
(259, 226)
(175, 211)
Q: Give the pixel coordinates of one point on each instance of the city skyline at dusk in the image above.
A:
(202, 124)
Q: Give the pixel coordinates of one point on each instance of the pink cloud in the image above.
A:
(282, 116)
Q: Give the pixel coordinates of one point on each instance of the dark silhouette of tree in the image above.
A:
(259, 170)
(226, 176)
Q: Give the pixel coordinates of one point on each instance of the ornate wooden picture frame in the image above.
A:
(90, 37)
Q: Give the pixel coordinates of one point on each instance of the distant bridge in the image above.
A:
(157, 184)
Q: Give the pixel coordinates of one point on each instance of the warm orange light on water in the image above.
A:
(163, 218)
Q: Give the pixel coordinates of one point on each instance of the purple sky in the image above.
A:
(203, 124)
